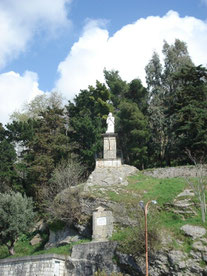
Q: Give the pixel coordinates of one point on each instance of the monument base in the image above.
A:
(109, 146)
(108, 163)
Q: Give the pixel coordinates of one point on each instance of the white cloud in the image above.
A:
(128, 50)
(20, 20)
(15, 90)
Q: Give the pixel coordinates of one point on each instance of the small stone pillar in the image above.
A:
(109, 146)
(102, 224)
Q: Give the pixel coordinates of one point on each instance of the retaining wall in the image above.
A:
(41, 265)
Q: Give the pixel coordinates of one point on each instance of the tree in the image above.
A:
(16, 216)
(138, 94)
(62, 197)
(87, 121)
(199, 185)
(162, 86)
(8, 175)
(117, 86)
(133, 134)
(48, 147)
(33, 109)
(189, 109)
(44, 144)
(130, 101)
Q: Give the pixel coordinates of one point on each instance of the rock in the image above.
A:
(198, 245)
(185, 203)
(36, 239)
(186, 193)
(62, 237)
(204, 256)
(40, 226)
(127, 264)
(193, 231)
(87, 258)
(90, 203)
(196, 255)
(177, 259)
(84, 229)
(110, 176)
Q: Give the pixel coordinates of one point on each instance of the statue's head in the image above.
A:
(110, 114)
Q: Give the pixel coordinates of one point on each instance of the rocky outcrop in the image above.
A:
(110, 176)
(193, 231)
(88, 258)
(62, 237)
(183, 204)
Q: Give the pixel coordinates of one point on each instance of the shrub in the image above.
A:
(16, 216)
(132, 240)
(62, 199)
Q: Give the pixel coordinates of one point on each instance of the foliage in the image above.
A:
(67, 174)
(24, 248)
(16, 216)
(44, 144)
(130, 102)
(199, 185)
(61, 197)
(8, 175)
(33, 109)
(118, 87)
(87, 117)
(132, 240)
(190, 113)
(133, 134)
(162, 86)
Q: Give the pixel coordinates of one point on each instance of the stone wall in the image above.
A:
(183, 171)
(42, 265)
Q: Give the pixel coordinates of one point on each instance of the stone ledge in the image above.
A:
(108, 163)
(109, 134)
(33, 258)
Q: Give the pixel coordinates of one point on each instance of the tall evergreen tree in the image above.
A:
(87, 121)
(8, 175)
(190, 112)
(162, 86)
(133, 134)
(130, 101)
(44, 143)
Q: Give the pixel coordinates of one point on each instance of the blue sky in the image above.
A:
(64, 45)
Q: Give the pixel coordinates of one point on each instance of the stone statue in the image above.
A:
(110, 123)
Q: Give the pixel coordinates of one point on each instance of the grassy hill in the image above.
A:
(166, 216)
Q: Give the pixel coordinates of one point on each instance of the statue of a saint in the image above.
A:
(110, 123)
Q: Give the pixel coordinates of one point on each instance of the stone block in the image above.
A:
(102, 224)
(109, 146)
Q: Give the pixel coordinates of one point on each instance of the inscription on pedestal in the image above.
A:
(110, 147)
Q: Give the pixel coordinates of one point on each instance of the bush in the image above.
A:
(62, 200)
(16, 216)
(132, 240)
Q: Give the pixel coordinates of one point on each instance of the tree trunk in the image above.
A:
(203, 211)
(11, 248)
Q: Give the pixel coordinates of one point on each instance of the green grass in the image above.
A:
(24, 248)
(164, 191)
(140, 187)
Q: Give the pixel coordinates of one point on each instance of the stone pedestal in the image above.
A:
(109, 146)
(102, 224)
(110, 159)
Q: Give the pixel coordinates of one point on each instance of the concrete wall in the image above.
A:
(42, 265)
